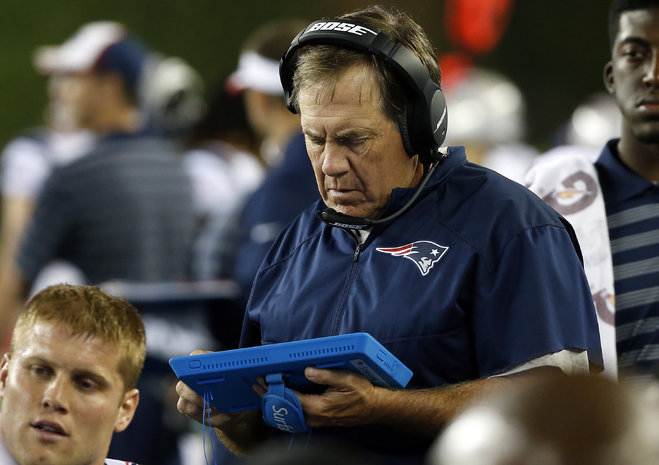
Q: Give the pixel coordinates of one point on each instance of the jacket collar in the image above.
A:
(618, 181)
(455, 158)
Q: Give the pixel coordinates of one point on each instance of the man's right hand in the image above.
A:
(191, 405)
(240, 431)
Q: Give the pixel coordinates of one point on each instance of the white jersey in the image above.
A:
(28, 161)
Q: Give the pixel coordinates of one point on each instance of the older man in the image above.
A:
(464, 275)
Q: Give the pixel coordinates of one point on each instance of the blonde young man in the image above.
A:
(69, 379)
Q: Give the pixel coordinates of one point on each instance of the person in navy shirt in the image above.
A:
(464, 275)
(628, 172)
(613, 204)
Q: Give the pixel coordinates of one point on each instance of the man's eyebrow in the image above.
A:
(309, 132)
(37, 359)
(634, 40)
(312, 135)
(355, 133)
(94, 375)
(76, 373)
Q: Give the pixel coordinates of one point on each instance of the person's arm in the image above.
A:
(16, 212)
(352, 400)
(13, 293)
(44, 231)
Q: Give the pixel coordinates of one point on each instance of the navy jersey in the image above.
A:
(633, 220)
(477, 277)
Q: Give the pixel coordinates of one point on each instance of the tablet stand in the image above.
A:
(281, 407)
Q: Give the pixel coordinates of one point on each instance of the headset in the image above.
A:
(424, 123)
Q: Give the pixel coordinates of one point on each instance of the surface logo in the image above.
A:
(424, 254)
(341, 27)
(279, 415)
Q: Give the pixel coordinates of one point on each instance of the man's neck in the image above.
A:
(640, 157)
(126, 120)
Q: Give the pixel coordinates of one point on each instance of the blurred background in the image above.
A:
(553, 51)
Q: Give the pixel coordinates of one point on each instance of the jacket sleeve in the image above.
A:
(533, 301)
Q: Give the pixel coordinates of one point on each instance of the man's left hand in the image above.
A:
(349, 400)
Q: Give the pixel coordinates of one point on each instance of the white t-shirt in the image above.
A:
(221, 177)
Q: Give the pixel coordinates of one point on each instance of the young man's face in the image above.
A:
(632, 75)
(356, 151)
(62, 398)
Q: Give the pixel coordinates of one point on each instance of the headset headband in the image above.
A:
(426, 120)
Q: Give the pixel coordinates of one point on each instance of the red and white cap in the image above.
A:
(81, 52)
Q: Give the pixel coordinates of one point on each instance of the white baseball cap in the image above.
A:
(255, 72)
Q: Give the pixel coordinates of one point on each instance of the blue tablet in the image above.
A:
(226, 377)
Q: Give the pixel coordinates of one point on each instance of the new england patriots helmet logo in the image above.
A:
(424, 254)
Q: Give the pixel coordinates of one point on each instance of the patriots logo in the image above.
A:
(424, 254)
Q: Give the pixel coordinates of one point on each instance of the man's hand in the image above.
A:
(349, 400)
(240, 431)
(191, 405)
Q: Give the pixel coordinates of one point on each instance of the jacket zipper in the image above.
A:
(358, 249)
(351, 276)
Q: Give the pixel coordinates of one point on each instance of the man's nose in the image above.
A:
(335, 160)
(651, 77)
(55, 395)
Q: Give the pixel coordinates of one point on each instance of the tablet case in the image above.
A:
(226, 377)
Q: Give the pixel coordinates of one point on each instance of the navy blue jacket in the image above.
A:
(479, 276)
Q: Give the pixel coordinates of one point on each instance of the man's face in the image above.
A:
(632, 75)
(356, 151)
(84, 95)
(62, 398)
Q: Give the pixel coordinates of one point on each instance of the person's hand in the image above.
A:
(191, 405)
(349, 400)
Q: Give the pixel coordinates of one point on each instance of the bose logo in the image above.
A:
(341, 27)
(348, 225)
(280, 419)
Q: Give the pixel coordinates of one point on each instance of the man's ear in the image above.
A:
(4, 372)
(127, 410)
(608, 77)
